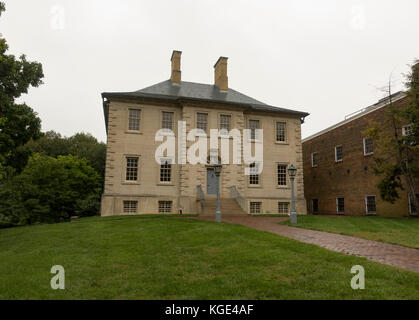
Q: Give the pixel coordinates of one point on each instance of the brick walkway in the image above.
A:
(393, 255)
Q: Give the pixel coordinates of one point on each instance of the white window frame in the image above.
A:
(336, 153)
(169, 162)
(406, 130)
(337, 205)
(126, 169)
(285, 131)
(288, 207)
(367, 153)
(410, 205)
(366, 204)
(129, 207)
(312, 159)
(165, 208)
(260, 207)
(140, 111)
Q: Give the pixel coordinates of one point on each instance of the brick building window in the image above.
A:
(338, 153)
(134, 119)
(314, 159)
(283, 207)
(255, 207)
(253, 125)
(167, 120)
(225, 121)
(130, 206)
(282, 174)
(202, 121)
(412, 209)
(407, 130)
(315, 205)
(131, 173)
(166, 171)
(280, 131)
(370, 204)
(340, 205)
(165, 206)
(254, 175)
(368, 146)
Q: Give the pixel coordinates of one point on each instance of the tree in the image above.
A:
(50, 190)
(18, 122)
(397, 163)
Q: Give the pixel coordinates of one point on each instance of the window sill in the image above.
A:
(337, 161)
(165, 184)
(368, 154)
(314, 166)
(283, 187)
(282, 142)
(130, 183)
(371, 213)
(256, 186)
(133, 132)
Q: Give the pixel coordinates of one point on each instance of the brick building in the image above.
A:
(136, 183)
(337, 162)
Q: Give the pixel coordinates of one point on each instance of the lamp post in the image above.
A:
(217, 170)
(292, 172)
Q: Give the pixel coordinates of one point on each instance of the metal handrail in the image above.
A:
(235, 194)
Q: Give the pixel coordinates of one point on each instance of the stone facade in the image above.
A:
(352, 178)
(183, 190)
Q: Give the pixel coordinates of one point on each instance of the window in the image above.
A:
(202, 121)
(314, 159)
(134, 119)
(368, 146)
(338, 153)
(165, 171)
(131, 169)
(315, 205)
(253, 125)
(255, 207)
(370, 204)
(282, 174)
(165, 206)
(130, 206)
(283, 207)
(225, 122)
(412, 209)
(167, 120)
(280, 131)
(340, 205)
(407, 130)
(254, 176)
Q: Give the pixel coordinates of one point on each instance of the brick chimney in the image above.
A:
(176, 76)
(220, 73)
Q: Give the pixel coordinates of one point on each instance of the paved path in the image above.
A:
(393, 255)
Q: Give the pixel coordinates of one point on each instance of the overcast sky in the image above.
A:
(328, 58)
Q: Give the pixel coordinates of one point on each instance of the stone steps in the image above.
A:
(229, 206)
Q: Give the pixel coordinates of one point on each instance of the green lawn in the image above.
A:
(182, 258)
(402, 231)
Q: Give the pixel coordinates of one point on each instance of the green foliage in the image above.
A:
(397, 155)
(50, 190)
(18, 122)
(82, 145)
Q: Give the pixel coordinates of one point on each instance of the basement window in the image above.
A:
(130, 206)
(370, 205)
(340, 205)
(165, 206)
(255, 207)
(283, 207)
(315, 205)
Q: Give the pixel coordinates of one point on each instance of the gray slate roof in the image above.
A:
(200, 92)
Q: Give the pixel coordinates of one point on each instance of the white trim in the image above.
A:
(369, 153)
(336, 154)
(312, 162)
(337, 205)
(380, 104)
(366, 204)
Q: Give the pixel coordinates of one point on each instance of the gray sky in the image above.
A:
(324, 57)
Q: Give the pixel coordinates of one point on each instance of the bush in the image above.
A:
(50, 190)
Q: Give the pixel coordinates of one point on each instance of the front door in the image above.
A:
(211, 182)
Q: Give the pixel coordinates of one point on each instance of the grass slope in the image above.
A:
(182, 258)
(401, 231)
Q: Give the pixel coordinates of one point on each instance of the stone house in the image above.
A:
(338, 164)
(135, 183)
